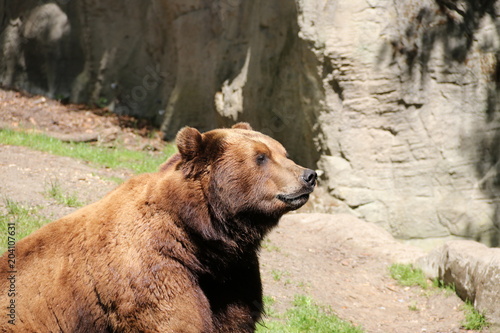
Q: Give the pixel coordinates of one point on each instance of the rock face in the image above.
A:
(410, 123)
(396, 101)
(474, 269)
(178, 62)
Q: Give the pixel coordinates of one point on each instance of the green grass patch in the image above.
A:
(55, 191)
(407, 275)
(116, 158)
(449, 289)
(304, 316)
(474, 320)
(25, 219)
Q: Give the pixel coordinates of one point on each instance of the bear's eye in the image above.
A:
(261, 159)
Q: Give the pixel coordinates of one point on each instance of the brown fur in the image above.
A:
(172, 251)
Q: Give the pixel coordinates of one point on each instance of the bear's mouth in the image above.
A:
(295, 200)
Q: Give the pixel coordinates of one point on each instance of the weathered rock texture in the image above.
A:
(474, 269)
(395, 100)
(410, 124)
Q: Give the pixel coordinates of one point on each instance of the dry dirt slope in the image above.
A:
(338, 260)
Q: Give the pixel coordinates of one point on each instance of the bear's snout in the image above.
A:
(309, 177)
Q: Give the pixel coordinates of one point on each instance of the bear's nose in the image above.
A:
(309, 176)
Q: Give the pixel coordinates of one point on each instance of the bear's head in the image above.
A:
(243, 174)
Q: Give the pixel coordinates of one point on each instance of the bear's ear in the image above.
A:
(245, 126)
(188, 142)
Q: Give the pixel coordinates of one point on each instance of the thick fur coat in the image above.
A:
(172, 251)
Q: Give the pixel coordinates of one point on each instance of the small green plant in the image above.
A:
(407, 275)
(474, 320)
(268, 306)
(277, 275)
(55, 192)
(413, 307)
(306, 316)
(448, 288)
(102, 102)
(268, 300)
(22, 219)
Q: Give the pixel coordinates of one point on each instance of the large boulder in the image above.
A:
(473, 269)
(396, 101)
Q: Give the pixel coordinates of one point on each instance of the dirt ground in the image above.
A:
(339, 261)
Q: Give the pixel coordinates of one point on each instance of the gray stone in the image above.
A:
(406, 109)
(473, 268)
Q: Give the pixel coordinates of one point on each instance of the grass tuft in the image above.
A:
(474, 320)
(407, 275)
(26, 220)
(448, 288)
(305, 316)
(55, 192)
(413, 307)
(277, 275)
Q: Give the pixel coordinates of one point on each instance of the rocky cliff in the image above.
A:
(411, 118)
(396, 101)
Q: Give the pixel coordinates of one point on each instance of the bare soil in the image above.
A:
(335, 259)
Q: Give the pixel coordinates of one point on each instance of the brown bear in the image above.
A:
(172, 251)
